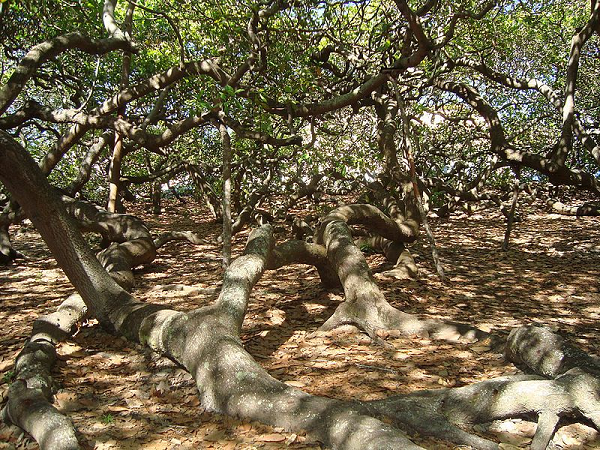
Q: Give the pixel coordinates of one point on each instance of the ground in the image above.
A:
(122, 396)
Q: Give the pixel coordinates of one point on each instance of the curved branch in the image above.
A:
(108, 18)
(545, 90)
(29, 398)
(558, 174)
(565, 144)
(50, 49)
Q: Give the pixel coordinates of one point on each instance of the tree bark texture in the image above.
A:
(227, 228)
(114, 170)
(587, 209)
(511, 214)
(365, 305)
(129, 241)
(7, 253)
(29, 397)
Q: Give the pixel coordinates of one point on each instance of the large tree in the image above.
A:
(262, 98)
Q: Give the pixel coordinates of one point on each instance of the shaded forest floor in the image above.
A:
(122, 396)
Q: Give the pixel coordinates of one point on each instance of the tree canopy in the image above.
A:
(514, 79)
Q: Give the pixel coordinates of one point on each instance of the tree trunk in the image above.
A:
(587, 209)
(156, 197)
(207, 341)
(114, 170)
(365, 305)
(417, 195)
(29, 397)
(7, 253)
(227, 232)
(511, 212)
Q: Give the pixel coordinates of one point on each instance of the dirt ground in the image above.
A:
(122, 396)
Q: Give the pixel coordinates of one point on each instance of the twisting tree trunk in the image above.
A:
(226, 144)
(7, 253)
(365, 304)
(29, 398)
(413, 175)
(511, 213)
(128, 241)
(401, 206)
(204, 341)
(207, 343)
(114, 170)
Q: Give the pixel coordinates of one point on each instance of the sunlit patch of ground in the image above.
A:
(122, 396)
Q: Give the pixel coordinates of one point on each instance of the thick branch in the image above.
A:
(50, 49)
(29, 397)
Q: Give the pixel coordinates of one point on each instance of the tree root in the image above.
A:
(587, 209)
(191, 237)
(207, 343)
(301, 252)
(396, 253)
(366, 306)
(131, 243)
(29, 396)
(539, 350)
(7, 252)
(572, 394)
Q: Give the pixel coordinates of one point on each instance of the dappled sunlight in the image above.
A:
(116, 391)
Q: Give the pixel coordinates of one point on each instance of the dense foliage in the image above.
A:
(482, 83)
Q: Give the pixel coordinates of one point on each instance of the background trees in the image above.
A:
(495, 72)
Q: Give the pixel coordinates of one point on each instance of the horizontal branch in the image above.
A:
(50, 49)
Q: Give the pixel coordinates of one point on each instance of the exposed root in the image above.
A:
(539, 350)
(129, 243)
(207, 343)
(396, 253)
(587, 209)
(366, 306)
(7, 253)
(301, 252)
(30, 395)
(436, 413)
(190, 236)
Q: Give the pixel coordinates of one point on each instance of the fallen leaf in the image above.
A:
(298, 384)
(272, 437)
(215, 436)
(161, 388)
(480, 349)
(68, 402)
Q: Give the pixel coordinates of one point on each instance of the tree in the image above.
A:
(269, 72)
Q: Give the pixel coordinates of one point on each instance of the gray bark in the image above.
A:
(7, 252)
(29, 398)
(205, 341)
(365, 305)
(511, 214)
(538, 350)
(131, 244)
(227, 228)
(587, 209)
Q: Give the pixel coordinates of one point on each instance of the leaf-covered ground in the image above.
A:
(120, 395)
